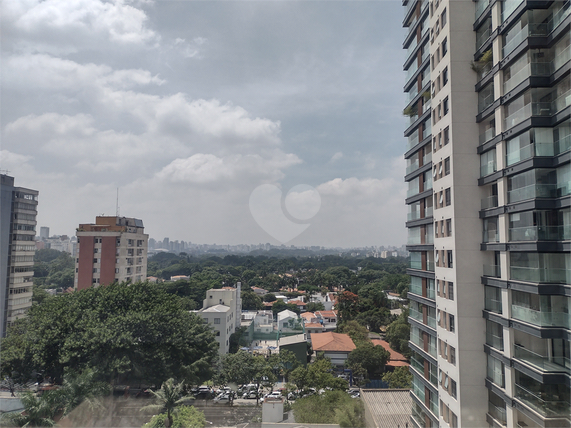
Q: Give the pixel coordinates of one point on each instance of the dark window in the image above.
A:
(445, 106)
(448, 196)
(445, 76)
(443, 18)
(449, 227)
(451, 322)
(450, 290)
(446, 136)
(453, 388)
(446, 166)
(449, 258)
(444, 47)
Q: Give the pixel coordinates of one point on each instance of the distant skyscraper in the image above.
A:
(489, 179)
(44, 233)
(114, 249)
(18, 210)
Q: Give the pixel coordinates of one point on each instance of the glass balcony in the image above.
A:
(416, 287)
(490, 236)
(498, 413)
(531, 109)
(493, 305)
(550, 405)
(427, 158)
(541, 319)
(487, 169)
(414, 215)
(414, 314)
(532, 69)
(412, 192)
(508, 7)
(417, 364)
(527, 274)
(481, 5)
(542, 361)
(487, 135)
(489, 202)
(418, 390)
(433, 400)
(413, 140)
(430, 266)
(413, 167)
(495, 341)
(412, 46)
(417, 340)
(412, 69)
(531, 192)
(540, 233)
(428, 212)
(485, 98)
(415, 264)
(483, 36)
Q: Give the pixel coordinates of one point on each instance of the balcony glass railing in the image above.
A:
(540, 233)
(487, 135)
(495, 341)
(430, 266)
(416, 339)
(481, 5)
(532, 69)
(412, 46)
(498, 413)
(416, 288)
(491, 236)
(419, 366)
(488, 169)
(434, 403)
(550, 405)
(418, 390)
(489, 202)
(531, 109)
(414, 215)
(532, 191)
(415, 264)
(527, 274)
(412, 167)
(542, 361)
(541, 319)
(412, 69)
(485, 100)
(483, 36)
(508, 7)
(493, 305)
(412, 191)
(414, 314)
(428, 212)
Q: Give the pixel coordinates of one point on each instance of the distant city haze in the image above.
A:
(187, 107)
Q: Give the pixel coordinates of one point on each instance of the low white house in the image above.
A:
(286, 319)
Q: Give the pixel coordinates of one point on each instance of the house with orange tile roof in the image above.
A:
(335, 346)
(327, 316)
(309, 317)
(313, 327)
(396, 359)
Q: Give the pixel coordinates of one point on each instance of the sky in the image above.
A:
(228, 122)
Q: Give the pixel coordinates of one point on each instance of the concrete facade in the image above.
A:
(114, 249)
(18, 210)
(222, 309)
(488, 173)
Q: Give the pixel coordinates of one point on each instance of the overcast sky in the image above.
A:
(189, 106)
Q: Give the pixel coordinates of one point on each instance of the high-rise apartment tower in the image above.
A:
(18, 210)
(489, 182)
(114, 249)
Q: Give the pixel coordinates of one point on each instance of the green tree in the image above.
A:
(284, 363)
(39, 295)
(401, 377)
(372, 358)
(168, 398)
(251, 301)
(39, 411)
(398, 334)
(357, 332)
(332, 407)
(183, 417)
(269, 297)
(135, 332)
(314, 306)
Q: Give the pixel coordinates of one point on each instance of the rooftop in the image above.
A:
(388, 408)
(216, 308)
(397, 359)
(330, 341)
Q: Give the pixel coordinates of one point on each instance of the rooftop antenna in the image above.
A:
(117, 204)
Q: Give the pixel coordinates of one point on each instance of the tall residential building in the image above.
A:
(18, 210)
(489, 183)
(114, 249)
(44, 233)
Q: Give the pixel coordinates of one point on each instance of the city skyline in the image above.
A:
(188, 107)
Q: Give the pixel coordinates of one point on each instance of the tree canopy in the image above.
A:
(131, 332)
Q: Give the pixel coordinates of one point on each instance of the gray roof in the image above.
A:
(217, 308)
(388, 408)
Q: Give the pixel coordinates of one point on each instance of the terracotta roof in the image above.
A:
(228, 288)
(389, 408)
(327, 314)
(269, 304)
(313, 325)
(330, 341)
(297, 302)
(308, 315)
(396, 359)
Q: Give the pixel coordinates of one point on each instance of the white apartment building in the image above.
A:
(489, 184)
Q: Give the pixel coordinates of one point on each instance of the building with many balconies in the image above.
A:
(489, 178)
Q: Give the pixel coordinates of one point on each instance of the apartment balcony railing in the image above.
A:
(412, 46)
(531, 192)
(411, 70)
(414, 215)
(431, 322)
(531, 29)
(485, 100)
(434, 404)
(418, 390)
(491, 236)
(430, 266)
(498, 413)
(418, 416)
(413, 166)
(531, 69)
(412, 140)
(551, 275)
(428, 212)
(549, 405)
(483, 36)
(417, 364)
(412, 192)
(481, 5)
(531, 109)
(495, 341)
(543, 362)
(489, 202)
(493, 305)
(540, 233)
(541, 318)
(487, 135)
(488, 169)
(509, 7)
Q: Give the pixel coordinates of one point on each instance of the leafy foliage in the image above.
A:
(398, 334)
(317, 375)
(135, 331)
(332, 407)
(370, 357)
(168, 398)
(183, 417)
(401, 377)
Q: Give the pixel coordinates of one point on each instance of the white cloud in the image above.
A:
(62, 26)
(336, 157)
